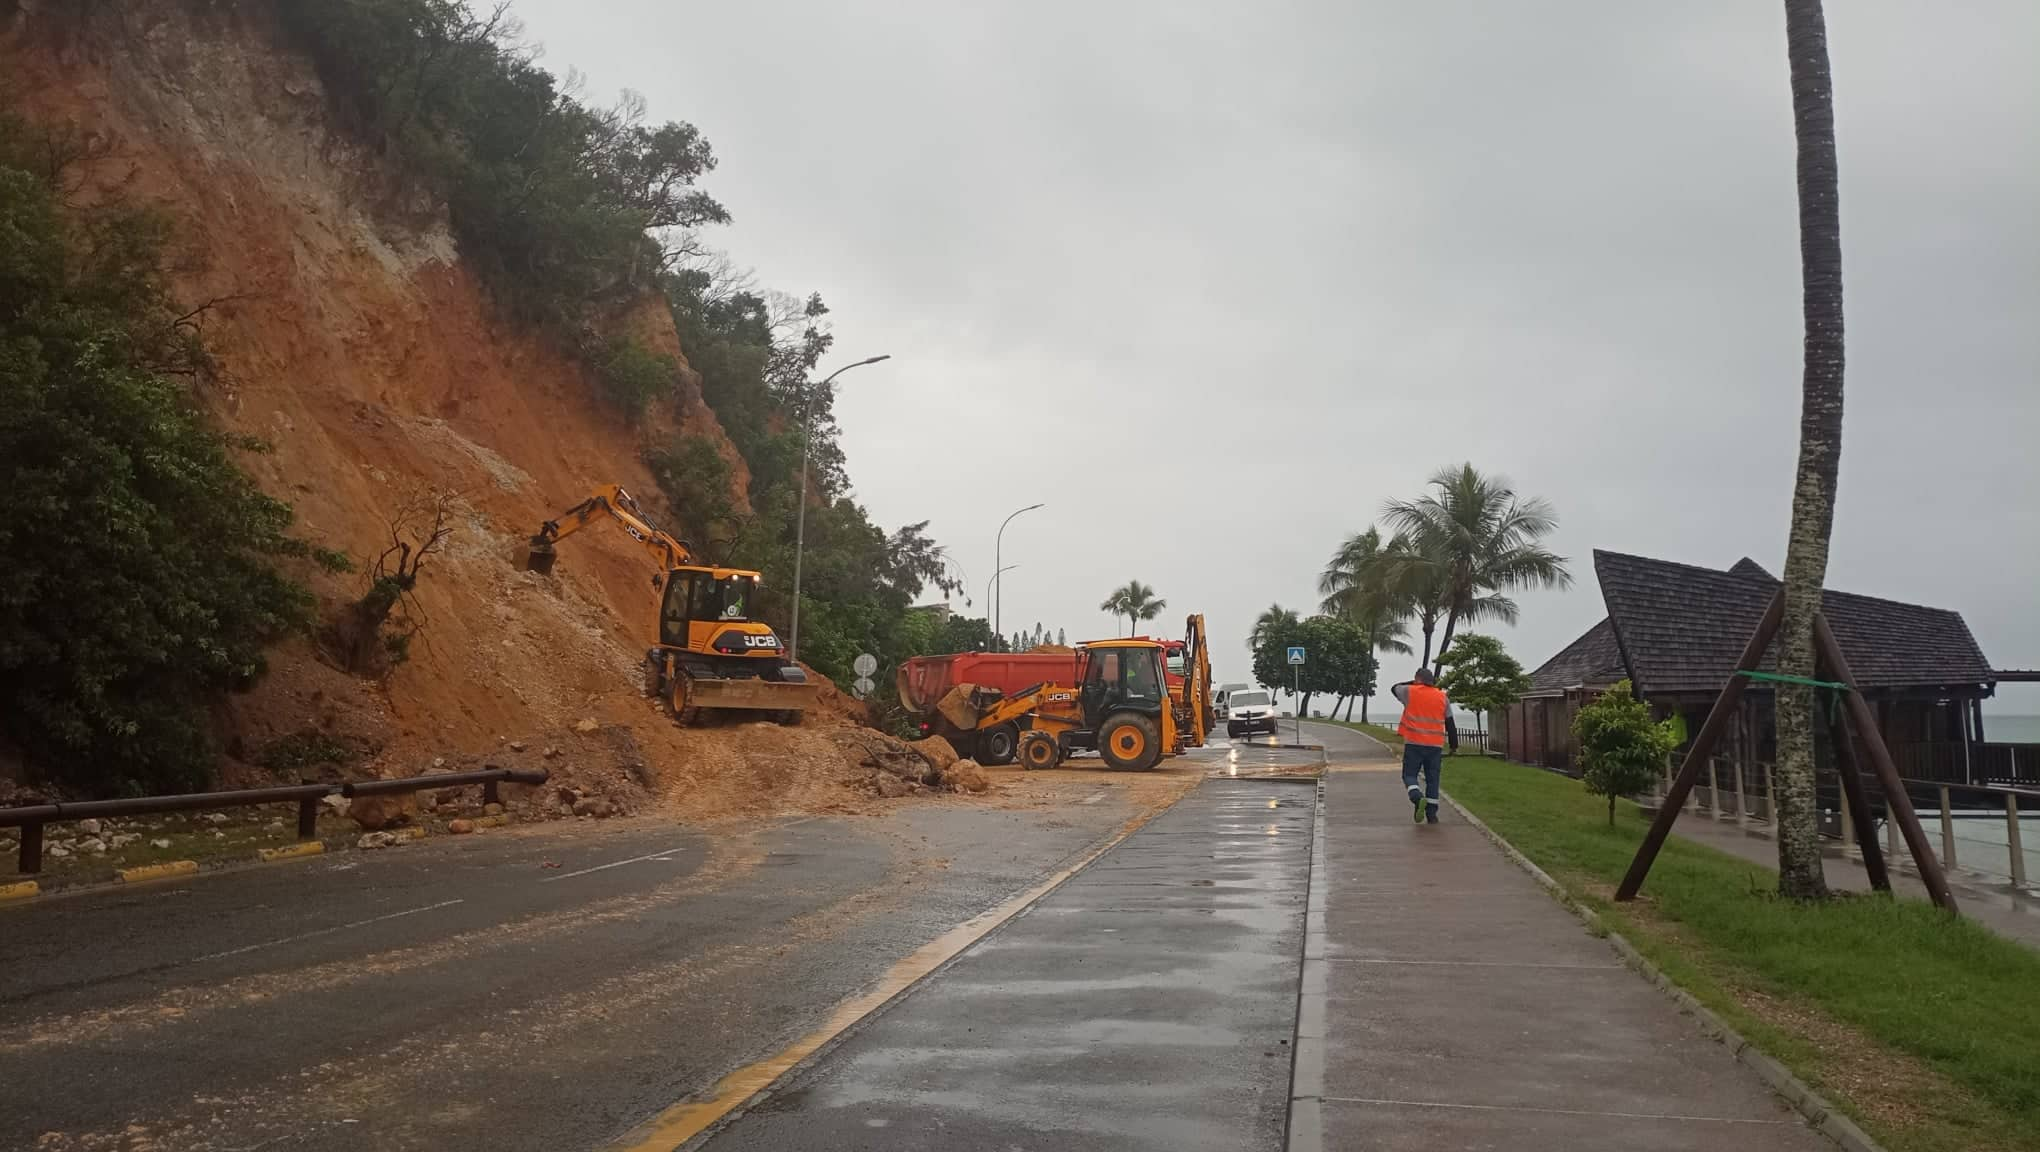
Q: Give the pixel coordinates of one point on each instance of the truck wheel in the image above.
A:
(996, 746)
(788, 717)
(1039, 751)
(1129, 741)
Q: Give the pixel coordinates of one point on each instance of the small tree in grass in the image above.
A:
(1621, 747)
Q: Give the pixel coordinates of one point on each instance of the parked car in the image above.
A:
(1249, 711)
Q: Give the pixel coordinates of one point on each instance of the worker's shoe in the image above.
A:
(1417, 801)
(1431, 816)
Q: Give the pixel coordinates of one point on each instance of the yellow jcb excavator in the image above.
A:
(1119, 706)
(710, 654)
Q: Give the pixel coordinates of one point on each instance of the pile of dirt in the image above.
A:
(355, 343)
(1053, 649)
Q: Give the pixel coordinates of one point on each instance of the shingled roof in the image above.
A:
(1680, 628)
(1594, 658)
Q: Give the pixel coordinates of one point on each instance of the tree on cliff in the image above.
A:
(141, 577)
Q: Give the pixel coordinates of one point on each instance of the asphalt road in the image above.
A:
(1149, 1003)
(543, 988)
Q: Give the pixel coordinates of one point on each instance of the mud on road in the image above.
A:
(540, 988)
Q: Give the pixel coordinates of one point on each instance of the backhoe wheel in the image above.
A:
(997, 745)
(1039, 751)
(1130, 741)
(655, 674)
(684, 711)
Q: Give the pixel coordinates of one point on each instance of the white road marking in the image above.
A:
(661, 855)
(1093, 798)
(327, 931)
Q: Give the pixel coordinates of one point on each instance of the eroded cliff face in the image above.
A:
(352, 341)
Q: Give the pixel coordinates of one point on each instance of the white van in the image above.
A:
(1249, 710)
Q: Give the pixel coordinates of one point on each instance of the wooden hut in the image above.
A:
(1674, 631)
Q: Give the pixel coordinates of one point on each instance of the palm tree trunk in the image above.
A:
(1364, 701)
(1349, 709)
(1444, 642)
(1820, 443)
(1429, 621)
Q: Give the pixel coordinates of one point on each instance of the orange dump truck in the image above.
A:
(925, 681)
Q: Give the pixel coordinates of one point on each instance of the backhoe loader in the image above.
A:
(710, 654)
(1119, 706)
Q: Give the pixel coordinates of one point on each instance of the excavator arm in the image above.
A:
(611, 501)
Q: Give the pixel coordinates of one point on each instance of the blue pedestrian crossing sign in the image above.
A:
(1296, 655)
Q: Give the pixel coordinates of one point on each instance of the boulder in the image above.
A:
(159, 845)
(891, 787)
(376, 840)
(335, 803)
(594, 806)
(938, 752)
(492, 809)
(214, 818)
(965, 776)
(92, 846)
(460, 827)
(57, 850)
(585, 725)
(88, 827)
(386, 811)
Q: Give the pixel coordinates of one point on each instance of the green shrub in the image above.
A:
(141, 576)
(1622, 749)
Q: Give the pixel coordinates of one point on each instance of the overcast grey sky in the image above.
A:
(1216, 280)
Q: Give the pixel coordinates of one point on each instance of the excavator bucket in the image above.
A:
(753, 694)
(541, 557)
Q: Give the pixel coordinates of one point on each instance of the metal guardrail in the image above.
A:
(31, 818)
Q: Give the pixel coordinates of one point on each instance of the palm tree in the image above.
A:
(1136, 602)
(1820, 443)
(1274, 617)
(1471, 541)
(1360, 585)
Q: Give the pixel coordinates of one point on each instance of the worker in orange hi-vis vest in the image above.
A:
(1425, 708)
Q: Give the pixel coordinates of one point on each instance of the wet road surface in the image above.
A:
(544, 988)
(1147, 1003)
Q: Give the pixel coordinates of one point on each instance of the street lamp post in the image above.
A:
(807, 435)
(998, 551)
(993, 580)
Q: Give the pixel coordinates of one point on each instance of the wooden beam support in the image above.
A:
(1830, 652)
(1718, 718)
(1850, 770)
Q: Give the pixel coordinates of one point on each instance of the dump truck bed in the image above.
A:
(924, 680)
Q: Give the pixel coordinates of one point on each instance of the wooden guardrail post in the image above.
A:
(31, 850)
(2012, 840)
(1947, 831)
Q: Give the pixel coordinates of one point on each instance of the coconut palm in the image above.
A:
(1820, 443)
(1136, 602)
(1274, 617)
(1471, 541)
(1360, 585)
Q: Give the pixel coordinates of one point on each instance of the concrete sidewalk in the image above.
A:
(1448, 1002)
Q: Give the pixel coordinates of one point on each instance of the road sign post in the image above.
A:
(1296, 655)
(864, 666)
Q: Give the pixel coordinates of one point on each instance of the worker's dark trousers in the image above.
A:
(1427, 760)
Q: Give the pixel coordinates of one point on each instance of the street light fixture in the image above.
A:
(994, 579)
(807, 435)
(998, 550)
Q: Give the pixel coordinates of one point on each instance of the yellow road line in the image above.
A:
(683, 1122)
(292, 851)
(158, 871)
(19, 891)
